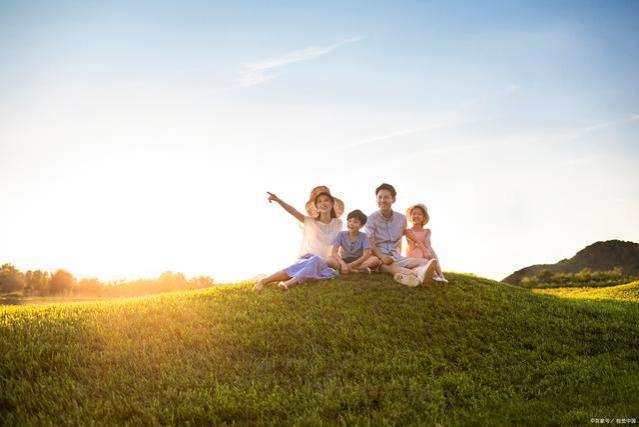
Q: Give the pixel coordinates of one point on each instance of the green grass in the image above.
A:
(354, 350)
(18, 299)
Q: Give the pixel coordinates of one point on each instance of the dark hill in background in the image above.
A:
(600, 256)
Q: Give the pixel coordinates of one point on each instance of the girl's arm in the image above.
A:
(410, 235)
(288, 208)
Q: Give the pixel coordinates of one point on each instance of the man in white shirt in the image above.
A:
(385, 229)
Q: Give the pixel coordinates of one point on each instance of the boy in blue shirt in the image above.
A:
(351, 252)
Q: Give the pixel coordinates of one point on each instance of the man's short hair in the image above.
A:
(388, 187)
(357, 214)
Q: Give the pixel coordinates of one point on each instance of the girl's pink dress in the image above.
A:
(415, 251)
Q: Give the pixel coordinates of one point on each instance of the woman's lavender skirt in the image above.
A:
(309, 267)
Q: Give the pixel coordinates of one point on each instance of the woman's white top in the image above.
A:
(318, 237)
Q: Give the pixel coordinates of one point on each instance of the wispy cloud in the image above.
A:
(447, 121)
(583, 160)
(578, 133)
(382, 137)
(263, 71)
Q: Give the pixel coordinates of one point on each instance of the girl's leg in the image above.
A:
(439, 274)
(439, 269)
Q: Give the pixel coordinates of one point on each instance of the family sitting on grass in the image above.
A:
(328, 251)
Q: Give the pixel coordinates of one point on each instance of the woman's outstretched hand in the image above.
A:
(272, 197)
(288, 208)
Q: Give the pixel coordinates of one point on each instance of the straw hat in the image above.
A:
(409, 211)
(338, 205)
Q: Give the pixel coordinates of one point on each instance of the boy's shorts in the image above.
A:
(348, 260)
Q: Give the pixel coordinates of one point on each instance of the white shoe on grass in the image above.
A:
(282, 286)
(440, 278)
(425, 272)
(410, 280)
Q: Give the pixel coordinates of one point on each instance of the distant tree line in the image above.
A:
(63, 283)
(584, 278)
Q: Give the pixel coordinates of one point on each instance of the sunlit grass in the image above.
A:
(355, 350)
(627, 292)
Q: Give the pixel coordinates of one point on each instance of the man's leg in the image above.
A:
(412, 262)
(395, 268)
(424, 268)
(401, 274)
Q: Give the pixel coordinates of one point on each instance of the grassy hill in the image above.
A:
(600, 256)
(354, 350)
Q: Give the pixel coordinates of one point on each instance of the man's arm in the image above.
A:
(385, 259)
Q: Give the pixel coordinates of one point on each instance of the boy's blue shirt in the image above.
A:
(351, 249)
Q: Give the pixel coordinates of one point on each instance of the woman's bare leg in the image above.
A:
(284, 286)
(291, 282)
(275, 277)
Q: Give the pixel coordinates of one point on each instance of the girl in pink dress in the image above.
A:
(418, 238)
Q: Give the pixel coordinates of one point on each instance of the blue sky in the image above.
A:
(158, 127)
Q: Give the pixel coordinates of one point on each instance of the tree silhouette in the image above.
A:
(11, 279)
(36, 282)
(61, 282)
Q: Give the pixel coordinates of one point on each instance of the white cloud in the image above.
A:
(383, 137)
(264, 71)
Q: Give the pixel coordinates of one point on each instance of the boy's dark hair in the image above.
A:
(358, 215)
(388, 187)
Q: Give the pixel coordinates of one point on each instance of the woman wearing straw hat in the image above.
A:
(320, 227)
